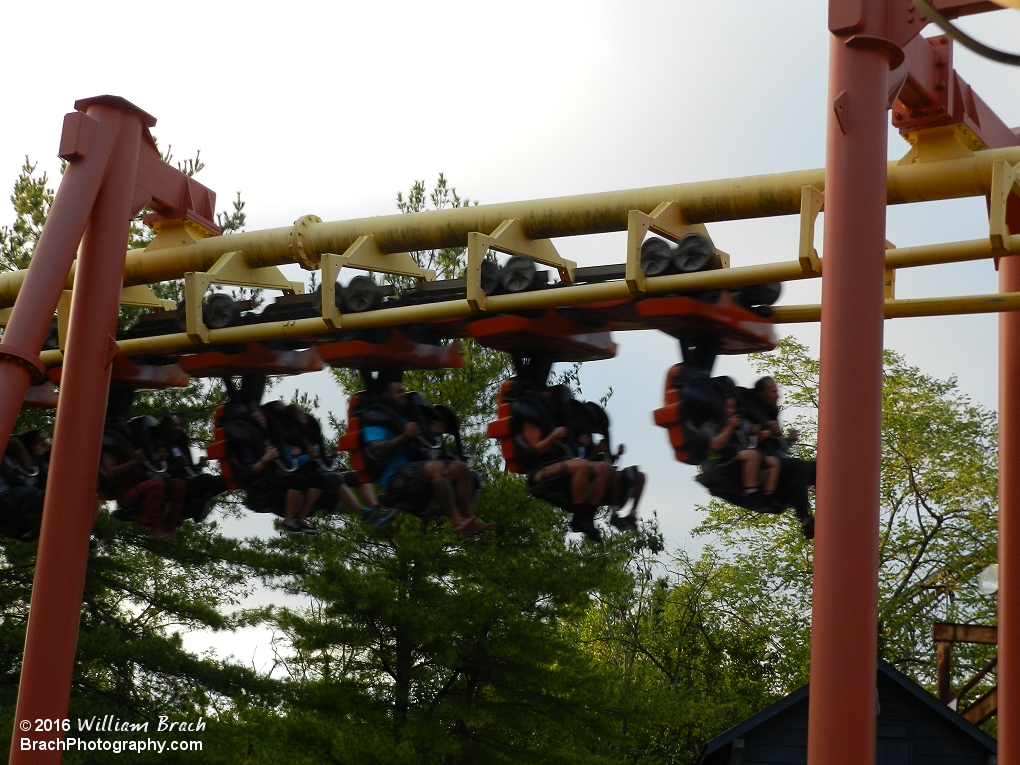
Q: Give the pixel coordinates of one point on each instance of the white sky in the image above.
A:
(330, 108)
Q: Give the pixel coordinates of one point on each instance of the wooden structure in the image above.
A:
(945, 634)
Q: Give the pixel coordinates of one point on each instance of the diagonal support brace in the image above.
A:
(509, 237)
(1004, 192)
(366, 255)
(666, 220)
(812, 201)
(232, 269)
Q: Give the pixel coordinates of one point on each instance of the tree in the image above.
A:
(31, 200)
(730, 629)
(140, 592)
(938, 501)
(421, 647)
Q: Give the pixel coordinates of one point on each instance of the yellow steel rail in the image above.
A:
(590, 293)
(700, 202)
(913, 307)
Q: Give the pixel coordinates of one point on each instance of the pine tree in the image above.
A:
(423, 647)
(140, 593)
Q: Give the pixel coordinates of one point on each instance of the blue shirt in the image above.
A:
(392, 461)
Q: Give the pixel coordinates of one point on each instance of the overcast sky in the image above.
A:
(331, 108)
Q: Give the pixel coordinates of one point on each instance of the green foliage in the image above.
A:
(712, 639)
(31, 200)
(424, 647)
(141, 593)
(695, 641)
(448, 263)
(938, 503)
(234, 220)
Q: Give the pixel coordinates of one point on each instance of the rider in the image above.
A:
(449, 483)
(295, 484)
(21, 495)
(624, 485)
(342, 484)
(558, 467)
(38, 444)
(201, 486)
(128, 482)
(728, 442)
(255, 460)
(796, 475)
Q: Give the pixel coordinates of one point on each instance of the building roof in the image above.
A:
(886, 670)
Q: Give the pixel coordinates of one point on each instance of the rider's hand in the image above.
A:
(139, 455)
(792, 436)
(437, 428)
(559, 433)
(733, 420)
(202, 462)
(271, 454)
(412, 430)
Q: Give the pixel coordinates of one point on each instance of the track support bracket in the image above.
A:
(509, 237)
(231, 269)
(1005, 182)
(811, 203)
(666, 220)
(365, 255)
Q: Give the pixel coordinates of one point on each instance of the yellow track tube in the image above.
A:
(913, 307)
(591, 293)
(701, 202)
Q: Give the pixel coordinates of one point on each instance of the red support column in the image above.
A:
(92, 138)
(67, 516)
(1009, 513)
(841, 717)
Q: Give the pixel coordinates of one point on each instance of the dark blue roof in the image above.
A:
(885, 669)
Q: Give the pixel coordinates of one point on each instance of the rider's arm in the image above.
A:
(116, 469)
(268, 456)
(723, 436)
(380, 448)
(533, 435)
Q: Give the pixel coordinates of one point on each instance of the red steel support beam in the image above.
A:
(67, 514)
(1009, 510)
(844, 643)
(945, 632)
(114, 172)
(93, 141)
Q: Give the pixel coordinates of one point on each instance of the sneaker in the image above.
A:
(307, 528)
(753, 499)
(585, 524)
(294, 527)
(808, 527)
(377, 516)
(624, 522)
